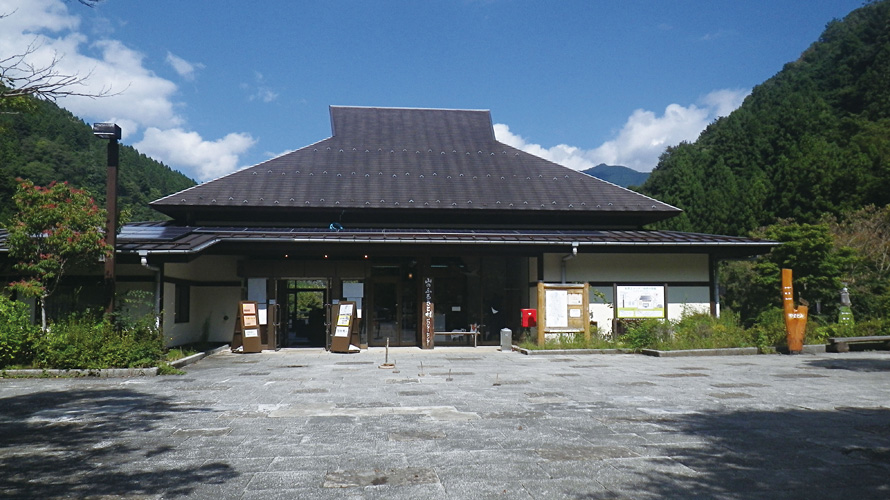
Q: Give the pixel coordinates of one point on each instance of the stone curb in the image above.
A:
(179, 363)
(108, 372)
(808, 349)
(728, 351)
(563, 352)
(76, 373)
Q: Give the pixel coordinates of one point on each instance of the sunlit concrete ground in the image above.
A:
(457, 423)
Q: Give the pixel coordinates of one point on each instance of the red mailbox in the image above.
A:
(529, 317)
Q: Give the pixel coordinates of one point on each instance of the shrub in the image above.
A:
(703, 331)
(769, 329)
(859, 329)
(646, 333)
(87, 342)
(16, 333)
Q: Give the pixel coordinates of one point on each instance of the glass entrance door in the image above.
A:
(392, 314)
(302, 310)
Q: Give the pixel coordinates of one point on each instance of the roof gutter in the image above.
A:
(143, 260)
(458, 241)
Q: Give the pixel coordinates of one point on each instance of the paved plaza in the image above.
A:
(457, 423)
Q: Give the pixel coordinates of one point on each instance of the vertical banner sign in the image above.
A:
(795, 317)
(429, 324)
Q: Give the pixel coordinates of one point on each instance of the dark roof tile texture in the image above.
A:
(428, 159)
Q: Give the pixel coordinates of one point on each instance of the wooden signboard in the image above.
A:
(342, 325)
(563, 309)
(247, 328)
(795, 317)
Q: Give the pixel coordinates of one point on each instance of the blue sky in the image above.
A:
(210, 87)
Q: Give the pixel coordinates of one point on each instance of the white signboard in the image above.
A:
(645, 301)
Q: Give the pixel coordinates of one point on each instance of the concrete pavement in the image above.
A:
(457, 423)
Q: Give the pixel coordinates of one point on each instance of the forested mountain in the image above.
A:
(616, 174)
(46, 143)
(812, 140)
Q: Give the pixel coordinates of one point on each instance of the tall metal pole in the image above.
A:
(111, 132)
(111, 223)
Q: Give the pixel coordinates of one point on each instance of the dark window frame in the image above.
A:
(182, 303)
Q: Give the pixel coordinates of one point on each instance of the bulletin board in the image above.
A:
(563, 309)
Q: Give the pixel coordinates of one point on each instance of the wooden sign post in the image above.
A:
(428, 327)
(247, 326)
(795, 317)
(342, 325)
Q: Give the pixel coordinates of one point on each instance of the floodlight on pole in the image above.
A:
(112, 133)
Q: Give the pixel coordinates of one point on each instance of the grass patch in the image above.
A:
(176, 353)
(571, 341)
(168, 369)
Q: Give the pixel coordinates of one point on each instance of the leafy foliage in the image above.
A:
(55, 228)
(17, 333)
(867, 233)
(814, 139)
(90, 342)
(851, 250)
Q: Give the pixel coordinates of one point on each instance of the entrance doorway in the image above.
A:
(303, 312)
(393, 312)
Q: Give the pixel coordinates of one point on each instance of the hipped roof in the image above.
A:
(386, 164)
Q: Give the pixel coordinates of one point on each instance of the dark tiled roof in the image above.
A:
(167, 238)
(411, 159)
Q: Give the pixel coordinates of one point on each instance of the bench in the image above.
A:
(474, 334)
(842, 344)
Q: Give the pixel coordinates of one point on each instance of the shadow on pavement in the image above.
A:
(853, 364)
(771, 454)
(80, 443)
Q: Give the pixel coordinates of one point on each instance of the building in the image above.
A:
(401, 208)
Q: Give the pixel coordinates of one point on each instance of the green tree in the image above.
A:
(812, 140)
(867, 233)
(55, 228)
(820, 268)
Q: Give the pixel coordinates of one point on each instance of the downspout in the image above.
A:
(143, 259)
(714, 275)
(567, 258)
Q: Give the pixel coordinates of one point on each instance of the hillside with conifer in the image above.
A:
(813, 140)
(45, 143)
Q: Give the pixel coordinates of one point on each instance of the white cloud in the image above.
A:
(182, 67)
(201, 159)
(259, 91)
(642, 139)
(139, 100)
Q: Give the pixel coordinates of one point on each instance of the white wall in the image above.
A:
(631, 268)
(213, 308)
(640, 267)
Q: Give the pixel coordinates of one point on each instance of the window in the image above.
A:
(182, 303)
